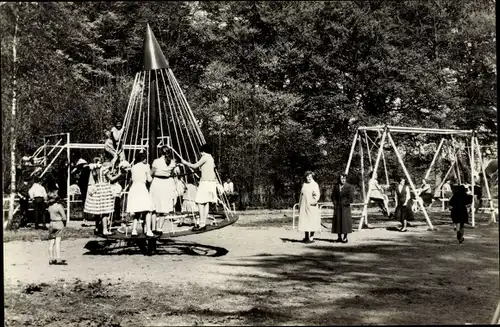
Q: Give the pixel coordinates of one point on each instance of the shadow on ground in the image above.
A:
(163, 247)
(420, 277)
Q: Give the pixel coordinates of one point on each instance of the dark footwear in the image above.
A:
(339, 240)
(61, 263)
(345, 240)
(52, 262)
(461, 240)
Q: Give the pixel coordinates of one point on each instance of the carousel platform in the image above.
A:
(174, 226)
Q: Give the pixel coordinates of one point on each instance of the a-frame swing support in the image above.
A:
(386, 134)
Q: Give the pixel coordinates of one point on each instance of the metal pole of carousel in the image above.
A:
(153, 60)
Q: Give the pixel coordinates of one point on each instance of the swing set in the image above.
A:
(385, 132)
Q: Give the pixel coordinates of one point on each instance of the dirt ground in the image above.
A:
(257, 272)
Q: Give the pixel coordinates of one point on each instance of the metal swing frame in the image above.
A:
(387, 132)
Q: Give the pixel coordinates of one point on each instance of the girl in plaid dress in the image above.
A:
(100, 198)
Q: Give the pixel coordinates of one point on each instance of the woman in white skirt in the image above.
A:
(309, 215)
(139, 201)
(100, 199)
(163, 189)
(207, 190)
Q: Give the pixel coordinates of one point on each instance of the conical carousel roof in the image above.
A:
(153, 56)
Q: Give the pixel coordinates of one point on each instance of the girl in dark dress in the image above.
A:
(342, 197)
(403, 211)
(459, 215)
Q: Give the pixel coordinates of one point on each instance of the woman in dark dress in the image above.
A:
(342, 197)
(403, 211)
(459, 215)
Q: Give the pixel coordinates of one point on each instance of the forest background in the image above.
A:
(278, 87)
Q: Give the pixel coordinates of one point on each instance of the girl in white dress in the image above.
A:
(139, 201)
(163, 189)
(309, 215)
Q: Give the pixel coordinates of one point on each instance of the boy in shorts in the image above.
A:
(57, 223)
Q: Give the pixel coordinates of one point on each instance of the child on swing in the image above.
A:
(58, 221)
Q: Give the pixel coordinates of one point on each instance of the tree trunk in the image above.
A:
(13, 124)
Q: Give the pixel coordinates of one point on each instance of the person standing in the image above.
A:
(459, 212)
(228, 186)
(189, 196)
(100, 199)
(38, 194)
(231, 194)
(207, 189)
(342, 197)
(309, 215)
(163, 189)
(24, 196)
(117, 184)
(58, 221)
(403, 211)
(478, 192)
(83, 178)
(139, 201)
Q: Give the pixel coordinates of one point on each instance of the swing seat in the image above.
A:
(442, 200)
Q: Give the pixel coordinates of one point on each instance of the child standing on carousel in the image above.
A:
(207, 189)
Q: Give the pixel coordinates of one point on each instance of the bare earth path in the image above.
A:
(257, 274)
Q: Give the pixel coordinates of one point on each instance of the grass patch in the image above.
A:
(99, 303)
(266, 222)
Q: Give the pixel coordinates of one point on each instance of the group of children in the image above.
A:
(152, 205)
(460, 197)
(154, 192)
(45, 201)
